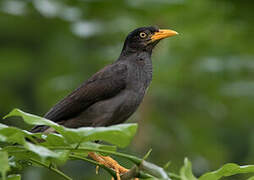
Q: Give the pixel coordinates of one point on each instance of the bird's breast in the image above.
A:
(128, 102)
(139, 75)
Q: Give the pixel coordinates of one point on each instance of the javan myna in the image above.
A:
(112, 94)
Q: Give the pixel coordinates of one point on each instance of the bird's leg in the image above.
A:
(110, 163)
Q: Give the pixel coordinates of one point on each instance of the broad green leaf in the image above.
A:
(11, 135)
(14, 177)
(251, 178)
(94, 147)
(62, 157)
(40, 150)
(22, 155)
(2, 125)
(31, 119)
(18, 154)
(186, 171)
(227, 170)
(98, 146)
(57, 156)
(4, 163)
(54, 140)
(119, 135)
(15, 135)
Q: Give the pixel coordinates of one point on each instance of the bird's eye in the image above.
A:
(142, 35)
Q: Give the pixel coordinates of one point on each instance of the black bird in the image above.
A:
(114, 93)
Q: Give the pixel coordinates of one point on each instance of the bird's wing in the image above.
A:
(103, 85)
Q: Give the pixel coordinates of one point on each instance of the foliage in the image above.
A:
(52, 150)
(200, 102)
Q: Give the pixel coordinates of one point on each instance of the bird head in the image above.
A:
(145, 39)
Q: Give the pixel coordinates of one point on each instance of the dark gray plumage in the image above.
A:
(114, 93)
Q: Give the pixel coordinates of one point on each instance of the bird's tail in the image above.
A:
(40, 128)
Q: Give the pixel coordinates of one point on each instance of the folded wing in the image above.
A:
(105, 84)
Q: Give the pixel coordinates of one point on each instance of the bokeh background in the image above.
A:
(200, 104)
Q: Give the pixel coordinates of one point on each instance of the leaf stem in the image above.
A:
(51, 168)
(173, 175)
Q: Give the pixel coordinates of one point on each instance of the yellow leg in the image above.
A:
(110, 163)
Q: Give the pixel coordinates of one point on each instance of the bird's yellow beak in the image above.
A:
(163, 33)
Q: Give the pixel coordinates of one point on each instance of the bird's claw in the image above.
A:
(110, 163)
(113, 164)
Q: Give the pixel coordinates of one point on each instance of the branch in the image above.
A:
(154, 170)
(142, 165)
(126, 176)
(150, 168)
(135, 172)
(133, 159)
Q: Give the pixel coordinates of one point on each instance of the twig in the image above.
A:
(154, 170)
(52, 169)
(132, 173)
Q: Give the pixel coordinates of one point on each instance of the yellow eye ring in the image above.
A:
(142, 34)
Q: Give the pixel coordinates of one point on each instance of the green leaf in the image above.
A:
(186, 171)
(97, 146)
(14, 177)
(15, 135)
(119, 135)
(40, 150)
(19, 153)
(94, 146)
(227, 170)
(4, 163)
(30, 118)
(68, 138)
(11, 135)
(251, 178)
(54, 140)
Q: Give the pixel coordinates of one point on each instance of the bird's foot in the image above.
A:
(110, 163)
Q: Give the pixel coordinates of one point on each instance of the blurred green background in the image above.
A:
(200, 104)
